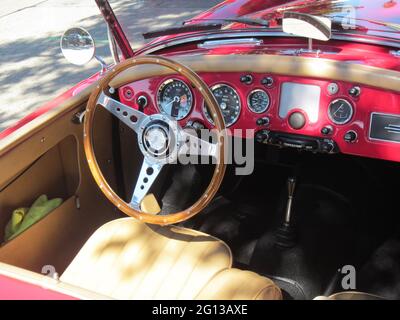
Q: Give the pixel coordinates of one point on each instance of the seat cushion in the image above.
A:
(235, 284)
(127, 259)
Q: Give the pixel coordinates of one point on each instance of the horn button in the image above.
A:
(157, 138)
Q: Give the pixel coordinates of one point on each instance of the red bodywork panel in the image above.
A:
(13, 289)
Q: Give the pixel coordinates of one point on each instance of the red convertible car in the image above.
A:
(251, 152)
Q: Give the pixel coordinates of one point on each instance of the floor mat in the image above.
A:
(381, 274)
(320, 216)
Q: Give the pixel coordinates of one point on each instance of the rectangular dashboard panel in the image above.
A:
(385, 127)
(300, 96)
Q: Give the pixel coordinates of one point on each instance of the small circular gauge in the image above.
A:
(174, 98)
(258, 101)
(333, 88)
(340, 111)
(228, 101)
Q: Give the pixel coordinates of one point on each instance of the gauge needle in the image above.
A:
(338, 109)
(176, 99)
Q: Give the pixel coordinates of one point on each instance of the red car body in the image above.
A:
(362, 49)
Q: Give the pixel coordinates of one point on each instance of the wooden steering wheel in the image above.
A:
(160, 139)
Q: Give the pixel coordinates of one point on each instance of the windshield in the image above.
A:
(371, 17)
(141, 16)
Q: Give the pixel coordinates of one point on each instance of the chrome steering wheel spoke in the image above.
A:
(131, 117)
(195, 146)
(148, 174)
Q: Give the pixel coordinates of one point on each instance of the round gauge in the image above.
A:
(258, 101)
(174, 98)
(333, 88)
(340, 111)
(228, 101)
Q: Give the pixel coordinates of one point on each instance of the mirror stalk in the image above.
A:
(103, 64)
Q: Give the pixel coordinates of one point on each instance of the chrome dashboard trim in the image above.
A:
(210, 44)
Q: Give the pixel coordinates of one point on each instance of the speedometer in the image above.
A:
(228, 101)
(258, 101)
(174, 98)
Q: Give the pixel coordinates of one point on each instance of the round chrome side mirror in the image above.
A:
(77, 46)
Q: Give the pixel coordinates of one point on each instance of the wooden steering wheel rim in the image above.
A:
(215, 112)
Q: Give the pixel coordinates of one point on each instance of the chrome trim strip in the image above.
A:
(241, 41)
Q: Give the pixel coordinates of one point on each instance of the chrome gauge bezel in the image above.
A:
(214, 87)
(249, 105)
(346, 120)
(160, 89)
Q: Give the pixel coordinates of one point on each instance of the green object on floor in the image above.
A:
(23, 218)
(16, 218)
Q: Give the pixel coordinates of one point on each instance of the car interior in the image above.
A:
(321, 196)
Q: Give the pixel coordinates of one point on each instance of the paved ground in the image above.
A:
(32, 68)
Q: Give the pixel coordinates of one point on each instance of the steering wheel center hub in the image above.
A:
(158, 138)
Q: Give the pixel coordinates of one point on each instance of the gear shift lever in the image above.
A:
(285, 235)
(291, 184)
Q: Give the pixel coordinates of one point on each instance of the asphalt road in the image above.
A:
(32, 68)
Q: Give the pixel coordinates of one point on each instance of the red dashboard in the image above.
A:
(290, 112)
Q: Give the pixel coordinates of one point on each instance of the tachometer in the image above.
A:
(258, 101)
(174, 98)
(340, 111)
(228, 101)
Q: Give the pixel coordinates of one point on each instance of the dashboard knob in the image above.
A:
(267, 81)
(355, 92)
(264, 121)
(247, 79)
(297, 120)
(262, 136)
(326, 130)
(142, 102)
(350, 136)
(328, 147)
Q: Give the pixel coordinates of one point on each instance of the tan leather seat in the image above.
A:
(127, 259)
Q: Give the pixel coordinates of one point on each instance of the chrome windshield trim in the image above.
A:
(195, 38)
(210, 44)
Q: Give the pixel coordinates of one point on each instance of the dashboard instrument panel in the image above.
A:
(338, 113)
